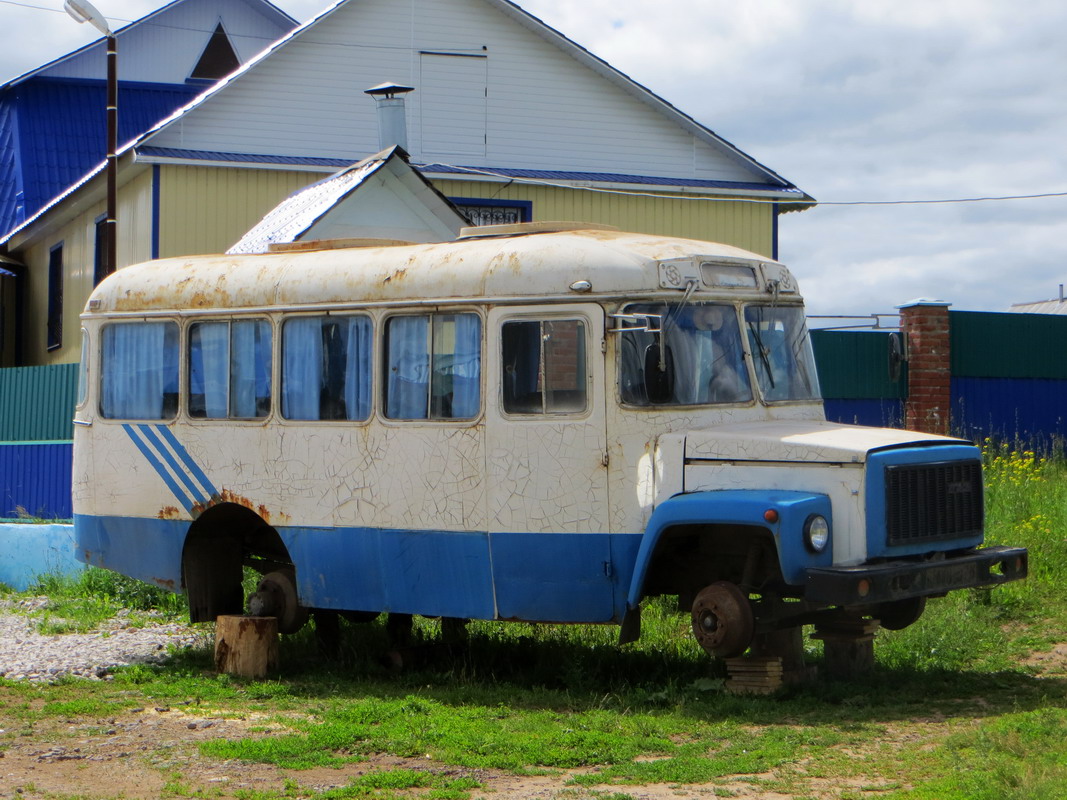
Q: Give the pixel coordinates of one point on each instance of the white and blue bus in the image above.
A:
(540, 423)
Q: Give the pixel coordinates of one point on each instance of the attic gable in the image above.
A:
(164, 46)
(495, 89)
(381, 197)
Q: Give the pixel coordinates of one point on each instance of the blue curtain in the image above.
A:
(209, 360)
(358, 368)
(250, 369)
(408, 363)
(301, 368)
(139, 365)
(466, 366)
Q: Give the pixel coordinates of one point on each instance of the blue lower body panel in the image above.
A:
(147, 549)
(543, 577)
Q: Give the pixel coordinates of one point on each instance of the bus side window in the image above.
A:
(544, 369)
(326, 367)
(433, 365)
(230, 369)
(139, 370)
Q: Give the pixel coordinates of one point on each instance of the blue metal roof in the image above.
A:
(53, 131)
(179, 154)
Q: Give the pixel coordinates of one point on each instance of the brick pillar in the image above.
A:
(926, 332)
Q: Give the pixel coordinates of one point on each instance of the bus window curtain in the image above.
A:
(209, 359)
(302, 368)
(135, 364)
(251, 347)
(467, 367)
(358, 368)
(408, 357)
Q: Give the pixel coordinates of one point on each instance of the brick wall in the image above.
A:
(925, 325)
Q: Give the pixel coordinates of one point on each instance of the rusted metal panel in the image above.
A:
(37, 403)
(36, 480)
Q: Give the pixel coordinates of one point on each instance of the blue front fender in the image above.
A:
(740, 507)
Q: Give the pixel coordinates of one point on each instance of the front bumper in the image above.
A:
(898, 580)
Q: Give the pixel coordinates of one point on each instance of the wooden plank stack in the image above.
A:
(754, 674)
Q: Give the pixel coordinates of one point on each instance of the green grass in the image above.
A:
(950, 711)
(80, 604)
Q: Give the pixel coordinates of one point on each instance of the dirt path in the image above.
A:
(147, 753)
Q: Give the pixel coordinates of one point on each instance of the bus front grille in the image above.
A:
(933, 502)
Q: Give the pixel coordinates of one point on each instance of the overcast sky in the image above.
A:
(851, 100)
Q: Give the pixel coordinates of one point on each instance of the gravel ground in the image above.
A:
(26, 654)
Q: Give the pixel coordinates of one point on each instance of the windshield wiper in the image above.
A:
(763, 351)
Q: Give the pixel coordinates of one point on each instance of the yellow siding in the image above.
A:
(79, 246)
(746, 225)
(207, 209)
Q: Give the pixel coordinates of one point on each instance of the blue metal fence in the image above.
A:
(36, 480)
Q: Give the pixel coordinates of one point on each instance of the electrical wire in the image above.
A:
(659, 195)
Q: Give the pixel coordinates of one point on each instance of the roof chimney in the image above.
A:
(392, 121)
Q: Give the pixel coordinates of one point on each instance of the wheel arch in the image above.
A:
(745, 508)
(218, 545)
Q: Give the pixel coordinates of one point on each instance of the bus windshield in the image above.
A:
(694, 359)
(781, 350)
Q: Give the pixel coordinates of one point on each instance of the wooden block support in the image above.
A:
(246, 646)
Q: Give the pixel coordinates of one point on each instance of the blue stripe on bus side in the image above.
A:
(149, 432)
(539, 577)
(183, 454)
(161, 470)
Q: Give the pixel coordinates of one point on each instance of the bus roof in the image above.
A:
(494, 268)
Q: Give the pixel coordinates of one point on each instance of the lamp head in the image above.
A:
(84, 11)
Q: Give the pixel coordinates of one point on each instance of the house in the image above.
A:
(52, 118)
(1053, 306)
(509, 119)
(52, 127)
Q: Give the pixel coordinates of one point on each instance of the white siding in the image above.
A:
(165, 48)
(544, 109)
(453, 104)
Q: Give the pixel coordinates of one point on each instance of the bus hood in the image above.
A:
(800, 441)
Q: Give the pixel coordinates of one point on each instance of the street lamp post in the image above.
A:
(84, 11)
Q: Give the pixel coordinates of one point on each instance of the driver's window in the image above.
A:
(692, 356)
(544, 366)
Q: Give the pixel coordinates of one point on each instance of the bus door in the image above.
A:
(546, 478)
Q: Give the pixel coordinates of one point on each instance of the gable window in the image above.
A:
(55, 297)
(326, 367)
(139, 370)
(433, 366)
(230, 369)
(544, 366)
(218, 59)
(494, 212)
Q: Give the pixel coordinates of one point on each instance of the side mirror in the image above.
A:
(659, 374)
(896, 356)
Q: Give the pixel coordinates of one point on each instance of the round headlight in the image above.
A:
(816, 533)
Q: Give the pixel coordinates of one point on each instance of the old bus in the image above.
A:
(529, 423)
